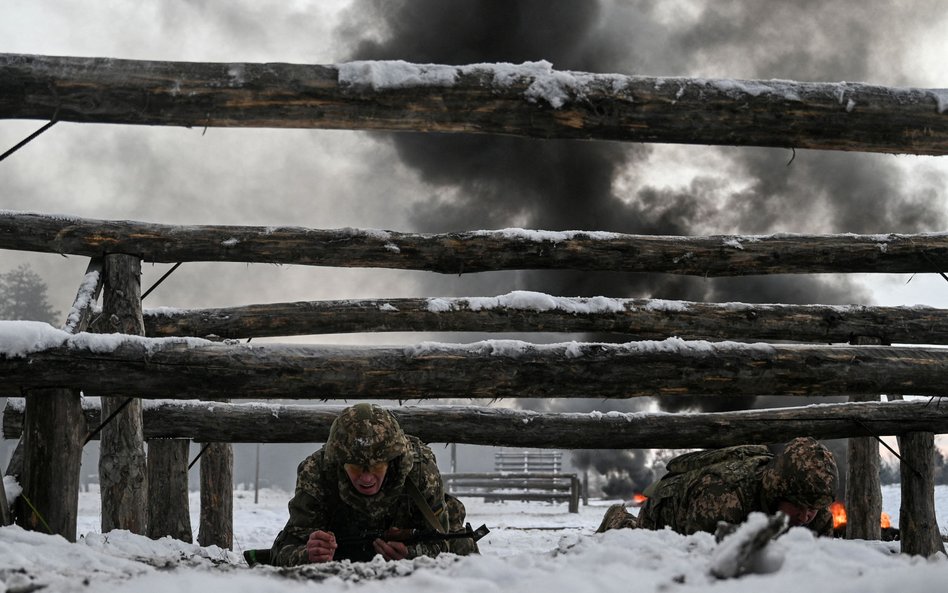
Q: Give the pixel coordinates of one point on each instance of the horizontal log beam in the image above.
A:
(535, 312)
(34, 355)
(502, 427)
(498, 474)
(528, 100)
(519, 484)
(480, 251)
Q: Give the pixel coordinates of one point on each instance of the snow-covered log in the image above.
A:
(183, 368)
(530, 99)
(522, 311)
(503, 427)
(480, 251)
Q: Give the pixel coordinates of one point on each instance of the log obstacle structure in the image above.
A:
(527, 486)
(528, 100)
(531, 99)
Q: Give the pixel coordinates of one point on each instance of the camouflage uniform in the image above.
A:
(326, 500)
(705, 487)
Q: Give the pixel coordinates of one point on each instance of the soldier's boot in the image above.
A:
(617, 517)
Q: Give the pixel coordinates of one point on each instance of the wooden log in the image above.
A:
(53, 437)
(918, 525)
(534, 312)
(217, 496)
(168, 499)
(863, 494)
(6, 516)
(276, 423)
(182, 368)
(528, 100)
(489, 495)
(514, 484)
(481, 251)
(123, 474)
(488, 412)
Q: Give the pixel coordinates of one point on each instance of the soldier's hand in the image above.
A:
(321, 546)
(390, 550)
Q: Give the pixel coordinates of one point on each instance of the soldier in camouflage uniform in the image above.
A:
(705, 487)
(359, 482)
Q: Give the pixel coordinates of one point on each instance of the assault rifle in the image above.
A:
(406, 536)
(413, 536)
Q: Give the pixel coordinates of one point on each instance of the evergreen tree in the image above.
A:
(23, 296)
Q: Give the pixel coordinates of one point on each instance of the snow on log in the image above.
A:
(33, 354)
(503, 427)
(480, 251)
(524, 311)
(530, 99)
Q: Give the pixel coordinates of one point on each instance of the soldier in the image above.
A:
(705, 487)
(369, 476)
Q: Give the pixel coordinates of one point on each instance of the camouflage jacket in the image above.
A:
(695, 495)
(325, 500)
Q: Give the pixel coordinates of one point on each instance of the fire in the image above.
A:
(839, 514)
(638, 499)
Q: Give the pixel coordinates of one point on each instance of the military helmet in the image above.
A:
(804, 474)
(365, 434)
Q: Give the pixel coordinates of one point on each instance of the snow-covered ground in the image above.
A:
(531, 547)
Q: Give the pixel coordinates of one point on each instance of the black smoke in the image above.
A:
(484, 182)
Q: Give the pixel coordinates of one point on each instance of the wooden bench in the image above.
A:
(491, 486)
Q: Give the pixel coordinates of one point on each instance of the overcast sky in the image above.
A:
(328, 179)
(421, 182)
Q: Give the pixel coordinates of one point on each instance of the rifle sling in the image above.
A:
(422, 504)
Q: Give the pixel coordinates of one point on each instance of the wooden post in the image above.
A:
(52, 444)
(573, 494)
(168, 505)
(53, 434)
(122, 467)
(863, 496)
(918, 525)
(217, 496)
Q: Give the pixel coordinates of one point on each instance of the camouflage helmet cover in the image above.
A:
(365, 434)
(804, 474)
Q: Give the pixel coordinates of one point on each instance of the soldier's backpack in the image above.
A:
(701, 459)
(680, 468)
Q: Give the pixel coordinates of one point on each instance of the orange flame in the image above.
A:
(839, 514)
(886, 521)
(638, 499)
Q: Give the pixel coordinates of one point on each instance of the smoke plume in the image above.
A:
(496, 182)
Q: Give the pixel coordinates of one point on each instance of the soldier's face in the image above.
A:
(366, 480)
(798, 515)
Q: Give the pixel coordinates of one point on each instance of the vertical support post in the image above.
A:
(168, 504)
(863, 487)
(217, 496)
(53, 430)
(48, 457)
(586, 487)
(573, 493)
(256, 478)
(122, 466)
(454, 458)
(6, 518)
(918, 527)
